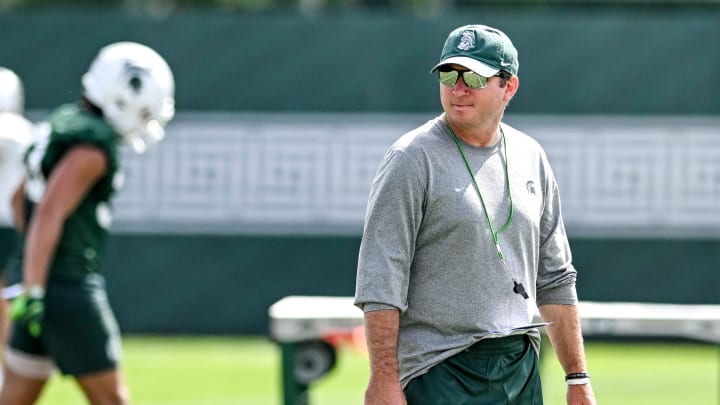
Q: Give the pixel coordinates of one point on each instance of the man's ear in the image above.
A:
(511, 87)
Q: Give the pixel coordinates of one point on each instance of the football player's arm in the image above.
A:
(18, 207)
(70, 181)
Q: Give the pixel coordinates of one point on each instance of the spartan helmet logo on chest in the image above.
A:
(467, 41)
(530, 185)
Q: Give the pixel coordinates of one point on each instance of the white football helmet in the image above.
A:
(12, 93)
(135, 89)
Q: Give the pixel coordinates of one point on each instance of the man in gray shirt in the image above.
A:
(463, 241)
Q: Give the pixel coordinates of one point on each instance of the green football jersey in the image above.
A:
(82, 245)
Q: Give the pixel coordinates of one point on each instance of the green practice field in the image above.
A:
(245, 371)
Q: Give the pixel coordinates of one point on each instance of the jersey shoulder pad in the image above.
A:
(71, 125)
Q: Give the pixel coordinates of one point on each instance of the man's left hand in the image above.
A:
(581, 394)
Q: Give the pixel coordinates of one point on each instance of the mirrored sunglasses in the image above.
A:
(449, 77)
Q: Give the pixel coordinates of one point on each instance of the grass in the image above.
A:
(246, 371)
(644, 374)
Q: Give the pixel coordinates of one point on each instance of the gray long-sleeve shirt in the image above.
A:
(427, 249)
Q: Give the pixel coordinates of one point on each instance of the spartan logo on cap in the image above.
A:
(467, 41)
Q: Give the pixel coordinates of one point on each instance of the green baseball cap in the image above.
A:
(482, 49)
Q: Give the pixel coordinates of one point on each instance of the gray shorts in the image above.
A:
(79, 331)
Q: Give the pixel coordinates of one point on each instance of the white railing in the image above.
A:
(298, 318)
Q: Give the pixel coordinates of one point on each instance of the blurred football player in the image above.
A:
(15, 136)
(62, 319)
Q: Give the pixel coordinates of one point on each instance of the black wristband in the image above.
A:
(576, 376)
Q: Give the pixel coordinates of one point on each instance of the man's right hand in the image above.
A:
(384, 393)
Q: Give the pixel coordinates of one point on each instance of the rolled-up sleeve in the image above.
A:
(556, 273)
(393, 217)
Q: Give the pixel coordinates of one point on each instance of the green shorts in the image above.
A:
(8, 246)
(79, 331)
(499, 371)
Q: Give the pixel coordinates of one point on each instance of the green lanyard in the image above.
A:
(518, 287)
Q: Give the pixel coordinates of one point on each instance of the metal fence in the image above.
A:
(311, 173)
